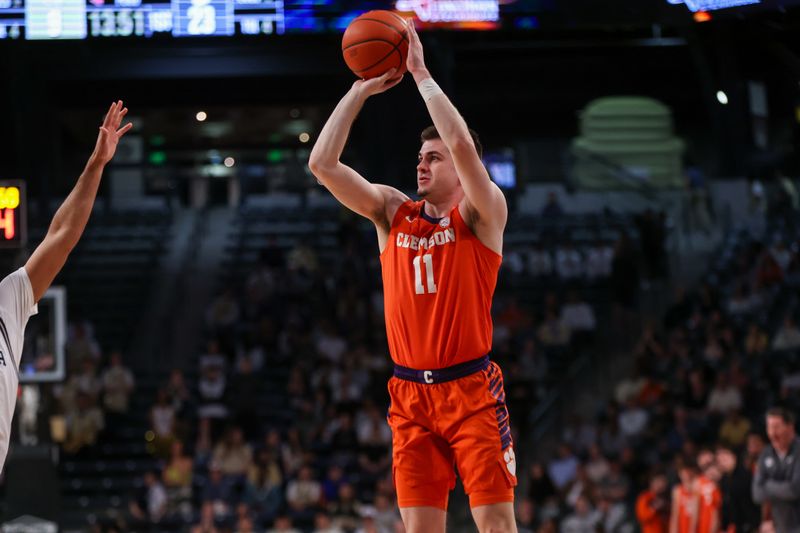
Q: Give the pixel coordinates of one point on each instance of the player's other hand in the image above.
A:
(378, 85)
(110, 133)
(416, 58)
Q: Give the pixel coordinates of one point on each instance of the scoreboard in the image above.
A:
(81, 19)
(13, 214)
(90, 19)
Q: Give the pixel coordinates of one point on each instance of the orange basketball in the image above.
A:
(374, 43)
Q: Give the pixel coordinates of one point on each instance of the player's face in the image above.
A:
(435, 170)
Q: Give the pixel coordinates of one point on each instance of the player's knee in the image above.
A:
(499, 527)
(497, 524)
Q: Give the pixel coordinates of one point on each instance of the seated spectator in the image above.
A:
(324, 524)
(345, 509)
(597, 467)
(387, 517)
(788, 336)
(552, 209)
(633, 421)
(177, 479)
(177, 391)
(81, 344)
(756, 342)
(207, 523)
(117, 385)
(583, 520)
(264, 487)
(329, 343)
(162, 424)
(87, 382)
(283, 524)
(564, 468)
(724, 397)
(84, 424)
(578, 315)
(150, 504)
(553, 332)
(525, 516)
(304, 494)
(218, 492)
(734, 429)
(233, 456)
(540, 486)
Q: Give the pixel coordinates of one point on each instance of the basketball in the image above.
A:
(375, 42)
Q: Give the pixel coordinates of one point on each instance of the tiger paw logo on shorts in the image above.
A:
(511, 461)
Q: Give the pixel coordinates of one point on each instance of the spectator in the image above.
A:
(81, 345)
(777, 477)
(598, 261)
(578, 315)
(583, 520)
(553, 332)
(177, 391)
(738, 512)
(264, 487)
(304, 494)
(324, 524)
(84, 424)
(734, 429)
(283, 524)
(757, 341)
(118, 385)
(788, 336)
(563, 469)
(177, 479)
(526, 516)
(233, 456)
(212, 387)
(345, 509)
(552, 209)
(724, 397)
(540, 486)
(206, 523)
(162, 424)
(218, 493)
(150, 505)
(652, 506)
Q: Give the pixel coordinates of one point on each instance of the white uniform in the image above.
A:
(16, 307)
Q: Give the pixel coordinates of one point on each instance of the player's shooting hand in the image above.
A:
(110, 133)
(378, 85)
(416, 58)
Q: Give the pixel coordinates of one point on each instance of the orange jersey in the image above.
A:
(438, 283)
(705, 502)
(650, 520)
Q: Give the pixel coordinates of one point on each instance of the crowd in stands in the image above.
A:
(692, 415)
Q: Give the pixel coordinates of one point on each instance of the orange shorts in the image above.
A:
(461, 423)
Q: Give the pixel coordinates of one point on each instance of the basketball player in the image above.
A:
(696, 502)
(440, 257)
(21, 290)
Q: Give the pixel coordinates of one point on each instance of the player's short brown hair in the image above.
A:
(784, 414)
(430, 133)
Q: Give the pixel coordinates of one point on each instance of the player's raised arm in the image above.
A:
(71, 218)
(347, 185)
(483, 196)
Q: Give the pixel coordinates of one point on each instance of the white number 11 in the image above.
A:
(428, 258)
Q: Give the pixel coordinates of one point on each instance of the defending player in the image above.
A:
(440, 258)
(21, 290)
